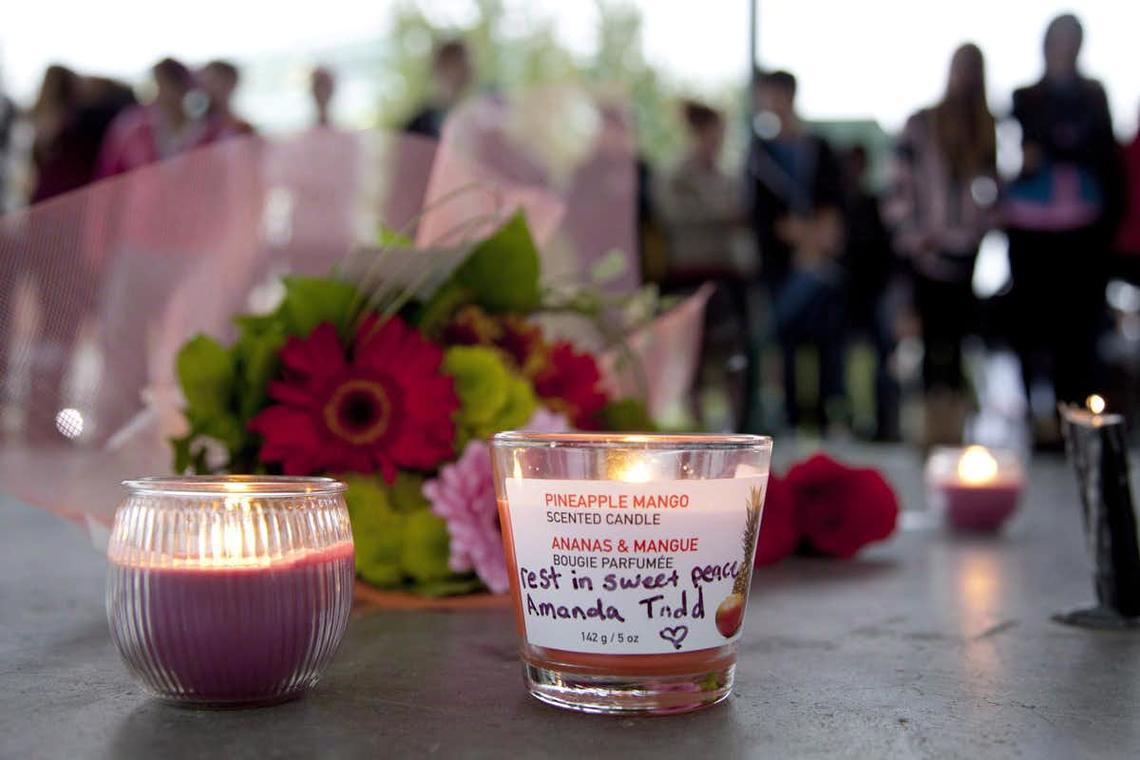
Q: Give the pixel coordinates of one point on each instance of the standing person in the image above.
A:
(611, 180)
(163, 128)
(63, 159)
(870, 263)
(219, 81)
(451, 77)
(699, 206)
(57, 168)
(101, 102)
(70, 118)
(146, 235)
(1060, 214)
(322, 87)
(793, 179)
(8, 114)
(8, 264)
(941, 207)
(700, 203)
(317, 174)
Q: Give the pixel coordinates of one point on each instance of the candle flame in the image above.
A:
(630, 466)
(1095, 403)
(635, 472)
(977, 466)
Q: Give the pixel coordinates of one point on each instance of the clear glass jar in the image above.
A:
(230, 591)
(630, 559)
(974, 489)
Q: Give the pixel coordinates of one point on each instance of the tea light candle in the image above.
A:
(630, 561)
(977, 488)
(230, 591)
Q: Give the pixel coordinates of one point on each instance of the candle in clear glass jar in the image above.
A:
(630, 559)
(976, 488)
(230, 591)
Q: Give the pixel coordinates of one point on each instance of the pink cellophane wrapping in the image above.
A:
(665, 357)
(100, 288)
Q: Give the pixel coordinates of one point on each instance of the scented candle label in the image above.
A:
(614, 567)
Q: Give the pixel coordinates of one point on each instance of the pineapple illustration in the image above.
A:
(730, 613)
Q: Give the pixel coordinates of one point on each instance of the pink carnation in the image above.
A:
(545, 421)
(464, 496)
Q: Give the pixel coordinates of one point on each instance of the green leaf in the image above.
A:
(502, 271)
(256, 324)
(627, 415)
(433, 315)
(377, 532)
(181, 448)
(309, 301)
(425, 548)
(206, 372)
(259, 361)
(221, 427)
(190, 454)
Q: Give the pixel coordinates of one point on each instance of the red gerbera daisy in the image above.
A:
(569, 384)
(385, 407)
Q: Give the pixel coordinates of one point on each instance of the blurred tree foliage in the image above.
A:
(513, 52)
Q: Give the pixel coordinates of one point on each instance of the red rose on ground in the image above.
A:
(385, 407)
(569, 383)
(779, 532)
(840, 509)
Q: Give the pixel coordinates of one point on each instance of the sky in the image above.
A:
(873, 58)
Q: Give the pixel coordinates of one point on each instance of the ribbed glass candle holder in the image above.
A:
(230, 591)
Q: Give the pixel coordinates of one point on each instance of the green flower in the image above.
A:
(399, 541)
(377, 531)
(492, 397)
(519, 408)
(481, 382)
(426, 547)
(407, 493)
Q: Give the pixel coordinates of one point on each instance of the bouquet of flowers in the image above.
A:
(395, 388)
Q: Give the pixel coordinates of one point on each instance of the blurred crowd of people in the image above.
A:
(804, 252)
(837, 263)
(89, 127)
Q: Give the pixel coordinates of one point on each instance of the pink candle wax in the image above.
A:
(232, 634)
(980, 508)
(978, 489)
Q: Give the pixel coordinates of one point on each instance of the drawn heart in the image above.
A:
(675, 635)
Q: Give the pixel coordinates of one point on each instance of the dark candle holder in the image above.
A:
(1097, 447)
